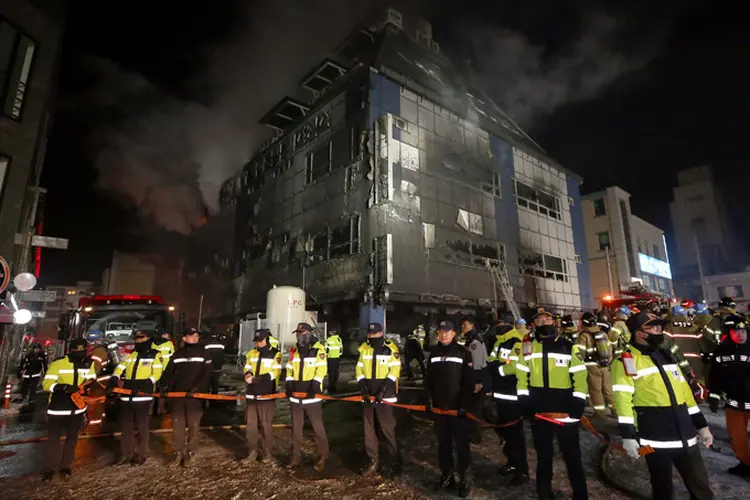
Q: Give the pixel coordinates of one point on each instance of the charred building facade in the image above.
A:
(400, 191)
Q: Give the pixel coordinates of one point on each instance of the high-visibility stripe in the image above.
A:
(625, 420)
(187, 360)
(579, 395)
(305, 401)
(667, 444)
(623, 388)
(522, 392)
(214, 346)
(577, 368)
(505, 397)
(448, 359)
(523, 368)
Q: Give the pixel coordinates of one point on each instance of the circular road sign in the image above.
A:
(4, 275)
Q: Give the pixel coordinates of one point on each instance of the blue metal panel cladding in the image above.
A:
(579, 242)
(506, 212)
(385, 97)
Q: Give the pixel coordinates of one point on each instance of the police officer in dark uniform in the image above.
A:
(189, 370)
(450, 386)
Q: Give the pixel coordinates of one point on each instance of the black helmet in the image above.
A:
(588, 319)
(567, 321)
(727, 302)
(733, 322)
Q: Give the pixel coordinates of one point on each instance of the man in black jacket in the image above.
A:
(482, 380)
(450, 386)
(215, 349)
(189, 370)
(31, 370)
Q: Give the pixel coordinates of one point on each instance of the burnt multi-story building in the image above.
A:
(399, 190)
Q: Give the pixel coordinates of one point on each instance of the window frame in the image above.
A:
(603, 247)
(5, 86)
(535, 205)
(603, 212)
(5, 175)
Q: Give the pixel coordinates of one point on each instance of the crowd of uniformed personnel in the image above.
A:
(631, 366)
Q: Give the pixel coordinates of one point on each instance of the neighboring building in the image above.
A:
(400, 188)
(143, 274)
(699, 220)
(623, 248)
(733, 285)
(29, 58)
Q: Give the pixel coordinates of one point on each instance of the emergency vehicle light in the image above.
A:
(607, 298)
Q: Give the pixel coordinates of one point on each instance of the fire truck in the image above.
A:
(116, 317)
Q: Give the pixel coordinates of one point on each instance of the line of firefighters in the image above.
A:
(545, 377)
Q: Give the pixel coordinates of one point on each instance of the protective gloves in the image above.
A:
(631, 448)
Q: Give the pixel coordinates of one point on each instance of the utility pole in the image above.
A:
(200, 313)
(609, 270)
(700, 264)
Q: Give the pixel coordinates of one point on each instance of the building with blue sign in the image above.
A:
(623, 249)
(398, 191)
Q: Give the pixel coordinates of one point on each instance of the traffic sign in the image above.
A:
(44, 241)
(5, 277)
(37, 296)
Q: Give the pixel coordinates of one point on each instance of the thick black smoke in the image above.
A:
(168, 156)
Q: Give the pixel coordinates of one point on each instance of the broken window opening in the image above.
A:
(493, 187)
(318, 162)
(470, 221)
(543, 266)
(537, 201)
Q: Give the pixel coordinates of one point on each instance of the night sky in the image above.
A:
(686, 107)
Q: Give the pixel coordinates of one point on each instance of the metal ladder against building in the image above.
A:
(500, 278)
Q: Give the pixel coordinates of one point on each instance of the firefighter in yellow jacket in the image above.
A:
(377, 372)
(139, 372)
(64, 380)
(305, 371)
(262, 372)
(656, 408)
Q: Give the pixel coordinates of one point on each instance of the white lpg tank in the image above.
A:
(285, 307)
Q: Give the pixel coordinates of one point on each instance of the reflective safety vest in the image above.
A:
(555, 373)
(137, 368)
(334, 347)
(265, 367)
(655, 404)
(502, 360)
(166, 349)
(379, 368)
(619, 336)
(273, 341)
(63, 371)
(301, 371)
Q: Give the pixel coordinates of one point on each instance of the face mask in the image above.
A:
(738, 336)
(142, 346)
(545, 331)
(502, 329)
(76, 355)
(655, 339)
(304, 341)
(376, 342)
